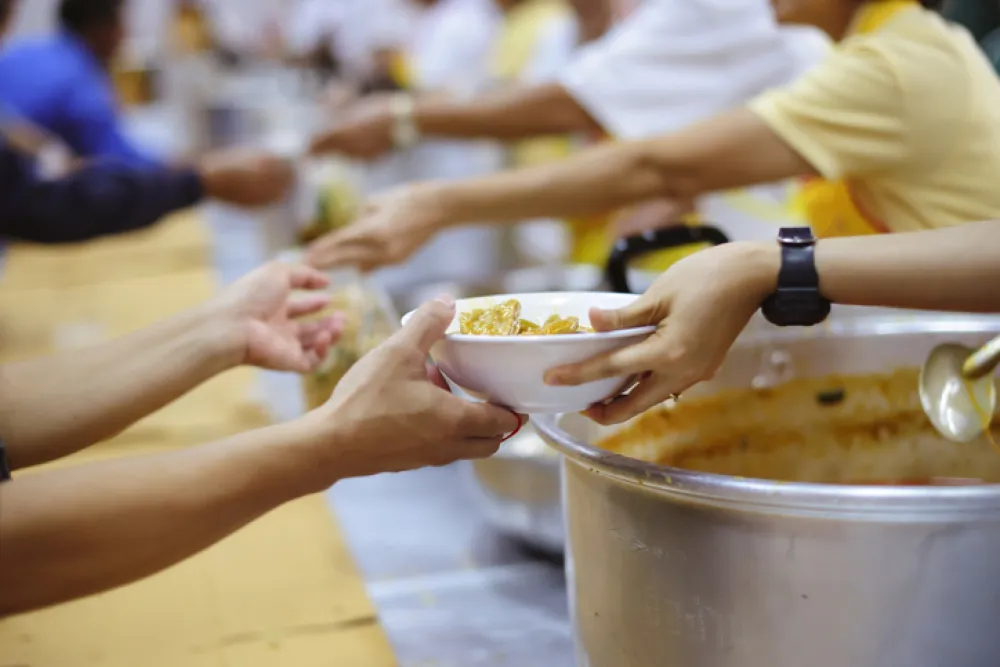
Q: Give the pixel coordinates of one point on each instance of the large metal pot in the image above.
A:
(669, 567)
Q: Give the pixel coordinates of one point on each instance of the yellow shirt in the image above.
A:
(906, 114)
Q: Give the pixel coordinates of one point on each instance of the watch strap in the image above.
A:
(798, 267)
(4, 464)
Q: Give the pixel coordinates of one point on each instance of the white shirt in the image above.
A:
(245, 25)
(356, 29)
(554, 51)
(672, 63)
(451, 43)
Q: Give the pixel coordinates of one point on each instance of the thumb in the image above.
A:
(641, 312)
(429, 324)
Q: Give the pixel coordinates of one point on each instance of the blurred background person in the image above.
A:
(101, 197)
(62, 82)
(893, 135)
(669, 64)
(445, 53)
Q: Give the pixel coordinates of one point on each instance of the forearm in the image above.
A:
(515, 113)
(710, 156)
(79, 531)
(98, 199)
(594, 181)
(955, 269)
(54, 406)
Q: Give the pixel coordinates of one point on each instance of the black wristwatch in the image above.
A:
(797, 302)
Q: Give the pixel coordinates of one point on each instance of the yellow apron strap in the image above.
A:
(829, 206)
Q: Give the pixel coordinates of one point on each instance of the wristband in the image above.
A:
(405, 133)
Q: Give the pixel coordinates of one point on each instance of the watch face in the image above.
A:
(796, 236)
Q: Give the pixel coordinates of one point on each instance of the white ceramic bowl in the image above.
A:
(509, 370)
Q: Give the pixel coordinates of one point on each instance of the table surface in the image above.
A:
(450, 591)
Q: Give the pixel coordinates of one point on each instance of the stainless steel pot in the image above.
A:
(672, 567)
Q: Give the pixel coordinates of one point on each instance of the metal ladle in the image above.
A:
(951, 379)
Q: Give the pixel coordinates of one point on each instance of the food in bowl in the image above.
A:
(856, 429)
(509, 369)
(505, 319)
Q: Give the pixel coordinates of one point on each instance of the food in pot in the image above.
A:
(875, 432)
(505, 320)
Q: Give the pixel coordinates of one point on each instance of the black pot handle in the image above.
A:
(629, 248)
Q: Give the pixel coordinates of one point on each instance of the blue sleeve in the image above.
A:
(91, 121)
(101, 198)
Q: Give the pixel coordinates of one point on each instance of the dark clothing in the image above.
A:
(101, 198)
(982, 19)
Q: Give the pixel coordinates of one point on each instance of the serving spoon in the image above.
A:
(957, 389)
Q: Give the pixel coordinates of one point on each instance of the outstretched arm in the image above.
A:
(731, 150)
(702, 303)
(520, 112)
(80, 531)
(52, 407)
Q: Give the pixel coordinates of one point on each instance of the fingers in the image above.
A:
(648, 393)
(485, 447)
(483, 420)
(340, 249)
(480, 448)
(631, 360)
(307, 305)
(436, 378)
(305, 277)
(642, 312)
(521, 421)
(309, 332)
(429, 324)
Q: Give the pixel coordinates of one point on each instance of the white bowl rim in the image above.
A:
(536, 340)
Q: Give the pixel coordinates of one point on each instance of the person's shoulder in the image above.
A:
(934, 61)
(919, 42)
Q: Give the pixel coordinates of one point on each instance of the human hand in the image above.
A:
(390, 229)
(365, 132)
(391, 413)
(699, 305)
(245, 177)
(265, 320)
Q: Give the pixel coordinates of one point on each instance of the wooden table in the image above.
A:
(283, 591)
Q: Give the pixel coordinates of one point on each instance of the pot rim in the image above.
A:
(919, 503)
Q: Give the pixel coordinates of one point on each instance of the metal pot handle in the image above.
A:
(629, 248)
